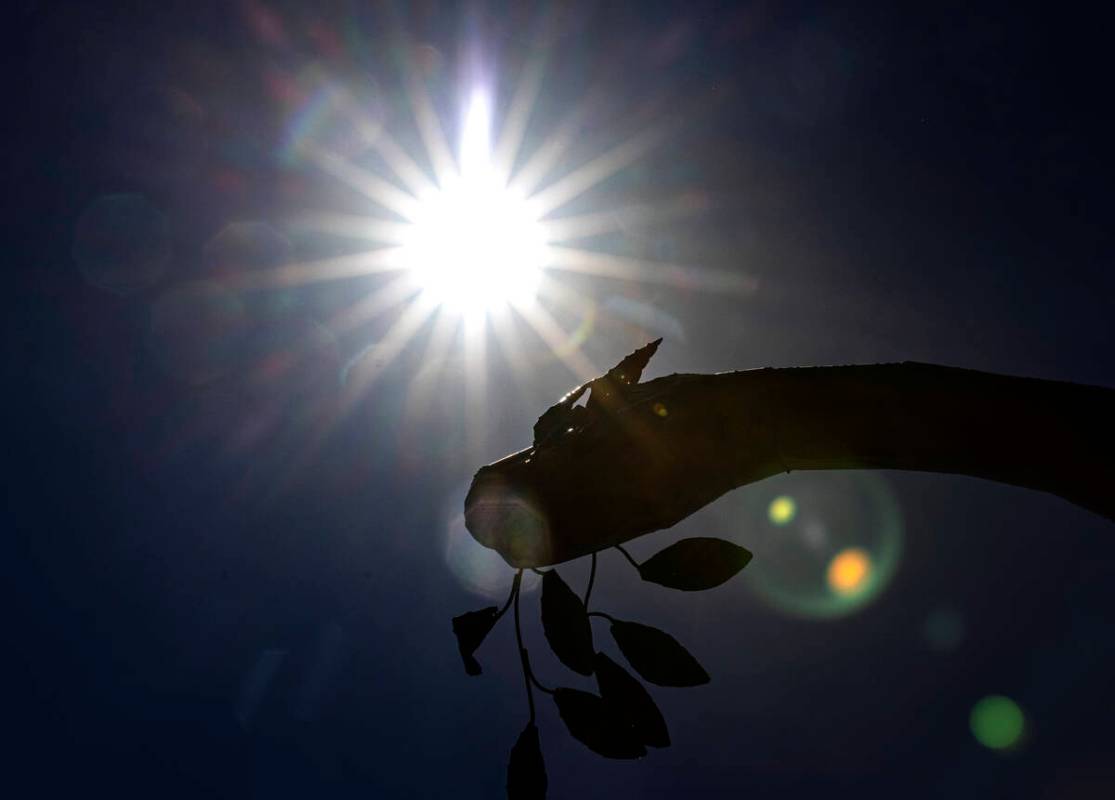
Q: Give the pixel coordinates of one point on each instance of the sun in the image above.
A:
(491, 240)
(474, 245)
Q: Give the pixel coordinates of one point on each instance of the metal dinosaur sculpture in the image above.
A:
(639, 457)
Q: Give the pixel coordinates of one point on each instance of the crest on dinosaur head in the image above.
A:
(605, 393)
(582, 479)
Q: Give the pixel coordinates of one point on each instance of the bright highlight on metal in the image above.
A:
(997, 722)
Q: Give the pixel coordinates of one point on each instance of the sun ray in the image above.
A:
(606, 265)
(364, 369)
(616, 220)
(441, 339)
(508, 335)
(510, 344)
(352, 226)
(367, 183)
(546, 155)
(404, 167)
(474, 331)
(515, 124)
(374, 136)
(429, 129)
(474, 231)
(392, 294)
(582, 226)
(368, 262)
(424, 387)
(580, 180)
(557, 340)
(563, 295)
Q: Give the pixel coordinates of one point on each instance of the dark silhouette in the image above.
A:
(636, 458)
(639, 457)
(622, 720)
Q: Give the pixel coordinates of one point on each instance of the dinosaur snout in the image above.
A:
(507, 517)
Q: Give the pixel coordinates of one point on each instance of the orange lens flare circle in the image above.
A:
(849, 571)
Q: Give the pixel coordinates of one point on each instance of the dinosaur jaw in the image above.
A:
(503, 513)
(579, 493)
(636, 458)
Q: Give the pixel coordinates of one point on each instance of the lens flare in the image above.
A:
(478, 569)
(997, 722)
(782, 510)
(474, 235)
(944, 629)
(849, 571)
(825, 544)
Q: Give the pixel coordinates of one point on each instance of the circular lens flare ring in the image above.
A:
(997, 722)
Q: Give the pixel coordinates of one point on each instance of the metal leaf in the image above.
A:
(566, 624)
(526, 771)
(631, 701)
(657, 656)
(470, 629)
(595, 724)
(695, 564)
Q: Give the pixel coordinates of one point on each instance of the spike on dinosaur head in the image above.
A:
(519, 504)
(630, 369)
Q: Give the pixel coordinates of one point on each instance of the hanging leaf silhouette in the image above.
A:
(566, 624)
(631, 702)
(470, 629)
(695, 564)
(526, 772)
(595, 724)
(657, 656)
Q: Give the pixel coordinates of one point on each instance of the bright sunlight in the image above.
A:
(473, 244)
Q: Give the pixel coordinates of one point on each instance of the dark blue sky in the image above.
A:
(231, 511)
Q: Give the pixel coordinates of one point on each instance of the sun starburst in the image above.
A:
(483, 243)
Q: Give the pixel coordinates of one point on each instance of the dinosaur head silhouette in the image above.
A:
(635, 458)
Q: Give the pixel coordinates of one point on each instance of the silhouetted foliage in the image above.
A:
(470, 629)
(566, 624)
(631, 702)
(609, 471)
(623, 720)
(695, 564)
(657, 656)
(526, 772)
(597, 725)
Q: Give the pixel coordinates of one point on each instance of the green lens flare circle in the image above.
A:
(826, 544)
(997, 722)
(782, 510)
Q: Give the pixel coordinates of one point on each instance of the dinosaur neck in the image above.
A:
(1047, 435)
